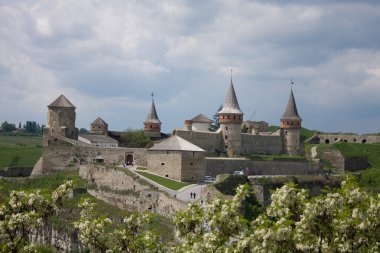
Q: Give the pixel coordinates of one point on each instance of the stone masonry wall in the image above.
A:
(261, 144)
(215, 166)
(352, 138)
(165, 163)
(209, 141)
(56, 158)
(125, 189)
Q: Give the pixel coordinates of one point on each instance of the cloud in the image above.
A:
(108, 56)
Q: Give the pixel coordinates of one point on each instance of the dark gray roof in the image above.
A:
(176, 143)
(152, 115)
(99, 121)
(291, 112)
(61, 101)
(231, 104)
(201, 118)
(98, 138)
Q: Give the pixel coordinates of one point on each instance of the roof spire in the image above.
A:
(231, 104)
(152, 115)
(291, 112)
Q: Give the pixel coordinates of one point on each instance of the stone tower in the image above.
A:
(99, 126)
(61, 121)
(230, 120)
(152, 125)
(291, 128)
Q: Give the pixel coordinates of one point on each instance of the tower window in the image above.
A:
(226, 128)
(226, 137)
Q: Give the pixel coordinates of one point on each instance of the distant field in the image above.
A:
(27, 148)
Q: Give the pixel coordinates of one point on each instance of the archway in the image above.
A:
(327, 141)
(129, 159)
(364, 141)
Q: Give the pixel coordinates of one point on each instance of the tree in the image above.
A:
(131, 236)
(26, 211)
(83, 131)
(8, 127)
(215, 120)
(135, 139)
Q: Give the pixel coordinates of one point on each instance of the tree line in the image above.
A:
(30, 127)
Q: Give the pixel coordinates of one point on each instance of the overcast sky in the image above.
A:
(107, 57)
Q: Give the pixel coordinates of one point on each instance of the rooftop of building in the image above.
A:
(176, 143)
(61, 101)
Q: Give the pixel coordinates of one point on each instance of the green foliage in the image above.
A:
(215, 120)
(83, 131)
(166, 182)
(370, 179)
(27, 148)
(8, 127)
(26, 211)
(135, 139)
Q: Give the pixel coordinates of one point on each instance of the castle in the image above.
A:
(189, 154)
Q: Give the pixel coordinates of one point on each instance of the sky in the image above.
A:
(107, 57)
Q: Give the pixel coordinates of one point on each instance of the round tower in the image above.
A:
(230, 121)
(291, 128)
(152, 125)
(60, 120)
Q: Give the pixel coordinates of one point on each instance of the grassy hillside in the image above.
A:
(372, 151)
(19, 150)
(48, 183)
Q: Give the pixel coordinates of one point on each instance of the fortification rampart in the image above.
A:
(127, 190)
(60, 157)
(211, 142)
(215, 166)
(261, 144)
(351, 138)
(336, 158)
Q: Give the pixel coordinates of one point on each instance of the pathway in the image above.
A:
(182, 194)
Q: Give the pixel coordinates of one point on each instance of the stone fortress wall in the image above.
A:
(351, 138)
(261, 144)
(211, 142)
(215, 166)
(67, 154)
(125, 189)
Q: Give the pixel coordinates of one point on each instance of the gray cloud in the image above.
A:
(107, 56)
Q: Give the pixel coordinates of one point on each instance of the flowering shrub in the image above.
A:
(27, 211)
(131, 236)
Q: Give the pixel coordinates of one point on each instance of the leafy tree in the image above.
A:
(27, 211)
(131, 236)
(215, 120)
(135, 139)
(31, 127)
(83, 131)
(8, 127)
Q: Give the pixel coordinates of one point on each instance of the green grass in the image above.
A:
(372, 151)
(274, 157)
(168, 183)
(27, 148)
(64, 222)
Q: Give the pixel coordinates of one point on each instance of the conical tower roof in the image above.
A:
(231, 104)
(61, 101)
(291, 112)
(99, 121)
(152, 115)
